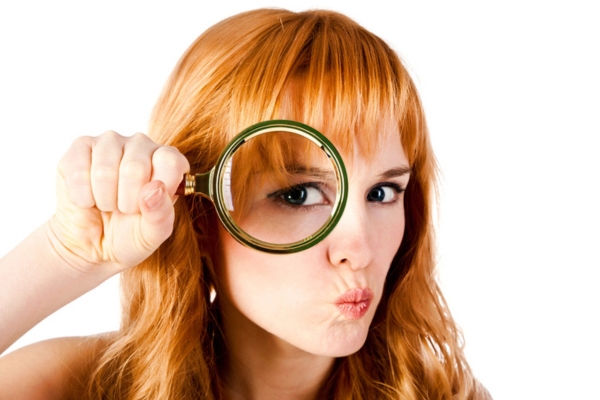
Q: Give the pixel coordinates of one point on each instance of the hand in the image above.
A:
(115, 200)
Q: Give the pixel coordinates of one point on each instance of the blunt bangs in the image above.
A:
(326, 71)
(317, 67)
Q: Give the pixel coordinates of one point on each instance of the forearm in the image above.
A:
(35, 281)
(115, 199)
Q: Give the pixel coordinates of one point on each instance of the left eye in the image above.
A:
(382, 194)
(302, 195)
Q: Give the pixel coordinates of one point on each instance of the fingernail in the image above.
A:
(154, 198)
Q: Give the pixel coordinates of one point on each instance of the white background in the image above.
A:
(512, 93)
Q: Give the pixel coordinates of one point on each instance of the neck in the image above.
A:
(259, 365)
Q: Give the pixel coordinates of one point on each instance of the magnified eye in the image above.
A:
(296, 195)
(306, 194)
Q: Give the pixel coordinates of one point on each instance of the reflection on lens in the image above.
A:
(227, 187)
(280, 187)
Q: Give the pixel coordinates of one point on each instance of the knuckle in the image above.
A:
(82, 141)
(77, 177)
(105, 174)
(127, 206)
(110, 135)
(167, 156)
(139, 137)
(134, 170)
(78, 146)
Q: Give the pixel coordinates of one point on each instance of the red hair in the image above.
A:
(322, 69)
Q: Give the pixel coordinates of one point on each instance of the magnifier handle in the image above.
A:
(187, 185)
(194, 184)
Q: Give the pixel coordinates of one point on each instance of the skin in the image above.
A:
(52, 369)
(282, 325)
(115, 198)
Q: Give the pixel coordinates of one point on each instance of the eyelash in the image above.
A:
(276, 196)
(398, 189)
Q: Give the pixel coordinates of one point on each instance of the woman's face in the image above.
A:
(322, 300)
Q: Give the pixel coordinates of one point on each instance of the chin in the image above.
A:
(344, 342)
(343, 351)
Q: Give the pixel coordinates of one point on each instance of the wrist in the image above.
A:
(68, 261)
(37, 278)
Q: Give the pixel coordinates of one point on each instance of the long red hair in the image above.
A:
(344, 81)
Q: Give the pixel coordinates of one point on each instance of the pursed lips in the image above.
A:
(355, 303)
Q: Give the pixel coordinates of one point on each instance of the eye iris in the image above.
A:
(296, 196)
(377, 194)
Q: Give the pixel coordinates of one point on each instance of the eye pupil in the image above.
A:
(377, 194)
(295, 195)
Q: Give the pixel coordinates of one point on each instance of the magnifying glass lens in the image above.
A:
(280, 187)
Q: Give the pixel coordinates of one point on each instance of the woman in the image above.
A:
(357, 316)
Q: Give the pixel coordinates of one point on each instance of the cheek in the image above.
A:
(386, 240)
(236, 270)
(291, 296)
(251, 280)
(388, 231)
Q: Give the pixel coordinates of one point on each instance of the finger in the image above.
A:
(158, 215)
(169, 166)
(106, 158)
(74, 172)
(134, 171)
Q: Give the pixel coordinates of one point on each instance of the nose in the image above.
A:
(351, 241)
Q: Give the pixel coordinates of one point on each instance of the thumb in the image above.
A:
(158, 214)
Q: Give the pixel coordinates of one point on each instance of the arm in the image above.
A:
(115, 200)
(52, 369)
(34, 283)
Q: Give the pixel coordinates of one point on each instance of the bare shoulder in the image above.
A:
(52, 369)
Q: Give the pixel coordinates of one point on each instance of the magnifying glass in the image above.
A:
(279, 186)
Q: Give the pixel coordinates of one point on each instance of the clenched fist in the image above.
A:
(115, 200)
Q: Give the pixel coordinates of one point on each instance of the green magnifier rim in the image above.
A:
(218, 174)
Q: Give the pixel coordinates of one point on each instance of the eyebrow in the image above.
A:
(311, 171)
(395, 172)
(329, 174)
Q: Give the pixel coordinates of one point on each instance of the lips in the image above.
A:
(355, 303)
